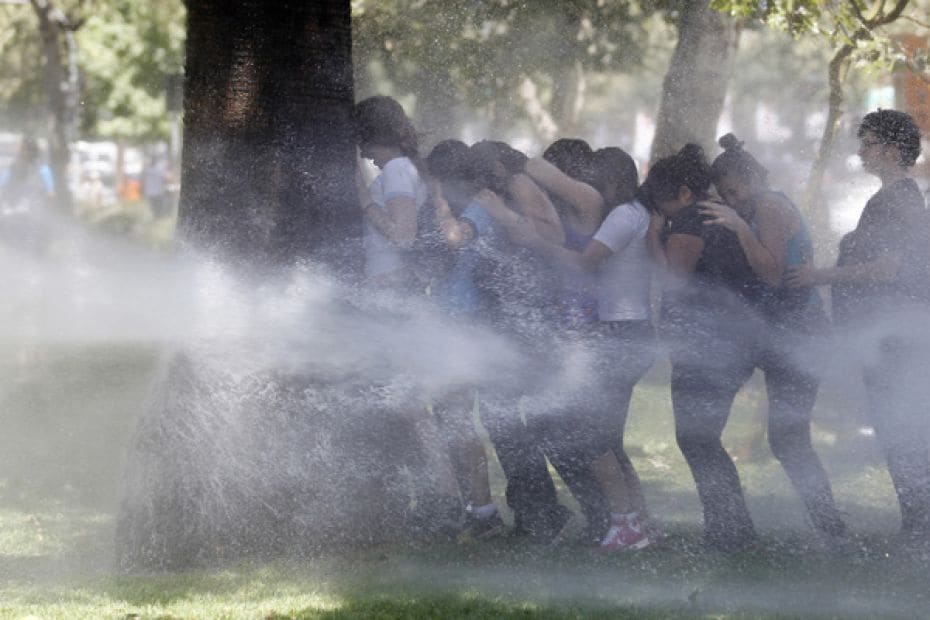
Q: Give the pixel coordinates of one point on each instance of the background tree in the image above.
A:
(856, 31)
(514, 63)
(145, 40)
(56, 27)
(696, 83)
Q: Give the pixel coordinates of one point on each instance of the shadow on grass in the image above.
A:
(466, 606)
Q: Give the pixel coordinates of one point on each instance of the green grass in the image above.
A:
(67, 416)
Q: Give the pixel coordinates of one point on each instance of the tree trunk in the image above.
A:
(568, 96)
(695, 85)
(61, 114)
(269, 156)
(813, 201)
(231, 457)
(437, 107)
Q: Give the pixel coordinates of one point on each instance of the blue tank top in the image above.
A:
(782, 302)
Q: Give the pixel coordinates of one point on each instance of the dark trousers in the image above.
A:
(898, 394)
(792, 384)
(706, 376)
(530, 493)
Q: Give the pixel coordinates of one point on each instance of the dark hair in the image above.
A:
(450, 160)
(614, 165)
(485, 154)
(574, 157)
(896, 128)
(736, 161)
(688, 168)
(381, 120)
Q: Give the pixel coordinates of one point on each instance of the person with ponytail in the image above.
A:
(707, 321)
(774, 237)
(391, 203)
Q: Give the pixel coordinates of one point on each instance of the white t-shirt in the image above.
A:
(399, 178)
(624, 279)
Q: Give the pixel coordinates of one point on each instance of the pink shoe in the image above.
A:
(625, 534)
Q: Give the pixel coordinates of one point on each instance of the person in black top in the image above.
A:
(773, 236)
(880, 290)
(707, 318)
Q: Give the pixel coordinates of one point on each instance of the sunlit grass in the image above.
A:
(67, 418)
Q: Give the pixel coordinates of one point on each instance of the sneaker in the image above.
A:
(476, 528)
(625, 534)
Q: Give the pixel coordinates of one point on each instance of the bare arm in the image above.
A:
(455, 232)
(879, 270)
(521, 231)
(535, 205)
(767, 252)
(683, 253)
(584, 199)
(397, 222)
(654, 240)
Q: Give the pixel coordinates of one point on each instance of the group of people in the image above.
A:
(569, 249)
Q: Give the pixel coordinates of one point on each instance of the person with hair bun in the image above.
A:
(881, 291)
(706, 319)
(774, 237)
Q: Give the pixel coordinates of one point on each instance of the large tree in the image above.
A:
(231, 453)
(268, 148)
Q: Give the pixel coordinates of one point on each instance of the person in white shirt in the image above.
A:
(391, 203)
(618, 258)
(390, 207)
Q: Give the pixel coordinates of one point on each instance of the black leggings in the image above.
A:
(706, 377)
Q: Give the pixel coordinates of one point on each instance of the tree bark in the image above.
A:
(60, 113)
(232, 458)
(695, 85)
(813, 201)
(269, 154)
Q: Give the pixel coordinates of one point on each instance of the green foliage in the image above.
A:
(21, 85)
(125, 51)
(128, 49)
(486, 47)
(859, 24)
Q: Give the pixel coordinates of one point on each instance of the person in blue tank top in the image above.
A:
(774, 237)
(462, 226)
(492, 284)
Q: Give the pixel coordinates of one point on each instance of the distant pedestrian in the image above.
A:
(156, 179)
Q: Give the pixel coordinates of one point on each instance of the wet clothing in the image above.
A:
(625, 278)
(791, 305)
(578, 299)
(25, 206)
(458, 293)
(880, 316)
(726, 324)
(894, 221)
(399, 178)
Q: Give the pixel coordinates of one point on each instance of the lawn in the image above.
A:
(67, 415)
